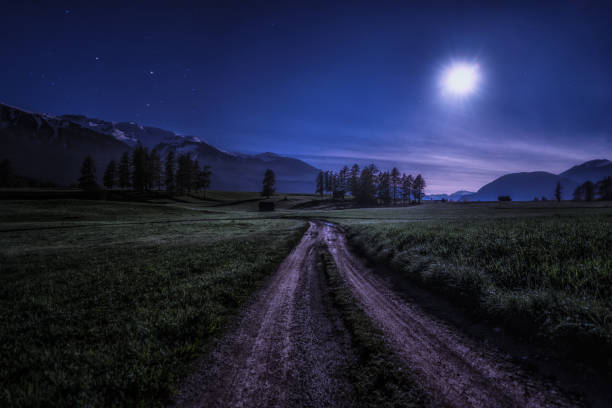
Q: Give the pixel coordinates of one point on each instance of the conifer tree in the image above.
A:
(269, 183)
(320, 184)
(88, 181)
(204, 176)
(170, 180)
(155, 170)
(394, 179)
(124, 171)
(418, 186)
(110, 175)
(354, 179)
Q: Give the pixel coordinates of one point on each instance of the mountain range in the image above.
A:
(52, 148)
(528, 185)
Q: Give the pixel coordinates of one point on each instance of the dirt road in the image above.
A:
(290, 347)
(454, 370)
(287, 350)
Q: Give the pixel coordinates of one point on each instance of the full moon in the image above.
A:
(460, 79)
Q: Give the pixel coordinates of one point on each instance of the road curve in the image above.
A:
(287, 350)
(454, 370)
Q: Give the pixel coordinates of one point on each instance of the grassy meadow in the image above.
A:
(109, 303)
(105, 304)
(543, 269)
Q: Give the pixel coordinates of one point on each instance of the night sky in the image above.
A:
(331, 82)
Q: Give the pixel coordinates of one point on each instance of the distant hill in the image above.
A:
(456, 196)
(52, 148)
(529, 185)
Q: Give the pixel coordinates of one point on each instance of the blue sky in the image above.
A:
(331, 82)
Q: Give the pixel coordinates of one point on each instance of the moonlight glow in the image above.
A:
(460, 79)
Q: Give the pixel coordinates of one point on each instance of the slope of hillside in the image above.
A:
(53, 148)
(529, 185)
(525, 187)
(593, 170)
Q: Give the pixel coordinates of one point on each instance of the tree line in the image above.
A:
(371, 186)
(589, 191)
(141, 170)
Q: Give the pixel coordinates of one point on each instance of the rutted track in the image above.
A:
(454, 370)
(287, 350)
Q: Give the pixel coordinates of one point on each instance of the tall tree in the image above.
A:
(366, 192)
(383, 190)
(343, 177)
(269, 184)
(328, 182)
(155, 170)
(184, 173)
(407, 187)
(418, 187)
(558, 190)
(604, 189)
(7, 176)
(589, 191)
(110, 175)
(124, 171)
(140, 172)
(354, 179)
(169, 172)
(195, 174)
(320, 184)
(204, 176)
(395, 182)
(88, 181)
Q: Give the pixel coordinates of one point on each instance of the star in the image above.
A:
(66, 11)
(97, 59)
(151, 72)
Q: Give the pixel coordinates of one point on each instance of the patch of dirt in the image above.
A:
(288, 349)
(455, 370)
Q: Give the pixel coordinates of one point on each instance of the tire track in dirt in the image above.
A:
(454, 370)
(287, 349)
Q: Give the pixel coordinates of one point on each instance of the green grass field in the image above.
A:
(544, 270)
(107, 304)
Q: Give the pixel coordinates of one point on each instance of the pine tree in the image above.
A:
(320, 184)
(328, 182)
(269, 183)
(184, 173)
(88, 181)
(417, 188)
(140, 173)
(155, 170)
(124, 171)
(383, 190)
(589, 191)
(604, 189)
(354, 179)
(395, 182)
(170, 180)
(204, 176)
(110, 175)
(558, 191)
(366, 192)
(407, 182)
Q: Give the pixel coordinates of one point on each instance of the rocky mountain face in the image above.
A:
(53, 148)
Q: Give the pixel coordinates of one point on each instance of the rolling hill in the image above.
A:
(52, 148)
(529, 185)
